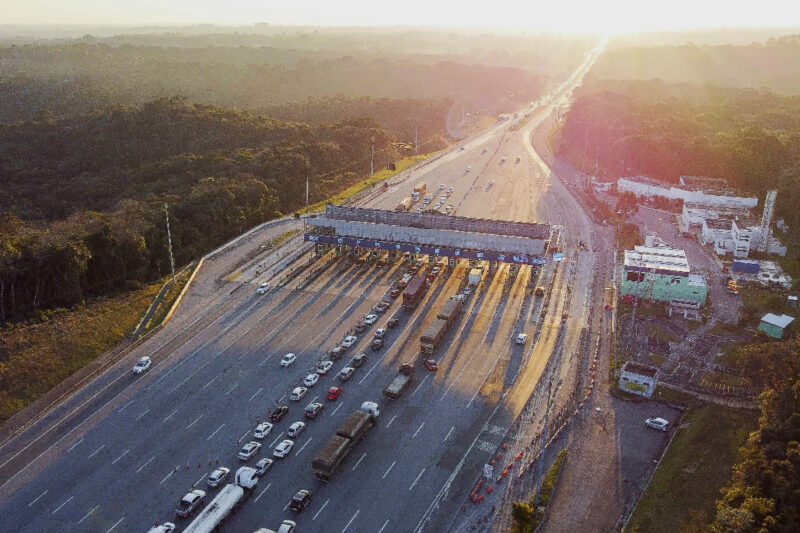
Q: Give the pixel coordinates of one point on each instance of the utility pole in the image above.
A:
(585, 146)
(415, 140)
(169, 240)
(372, 161)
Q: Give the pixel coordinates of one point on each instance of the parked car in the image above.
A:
(323, 367)
(288, 359)
(359, 360)
(310, 380)
(313, 409)
(346, 373)
(334, 392)
(283, 449)
(657, 423)
(262, 430)
(142, 364)
(249, 450)
(377, 344)
(263, 465)
(295, 429)
(300, 500)
(190, 501)
(217, 476)
(431, 365)
(278, 413)
(263, 288)
(298, 393)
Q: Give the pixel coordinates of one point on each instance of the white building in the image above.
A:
(637, 378)
(642, 186)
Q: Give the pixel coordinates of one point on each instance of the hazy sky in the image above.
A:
(602, 16)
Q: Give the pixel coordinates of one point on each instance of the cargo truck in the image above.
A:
(227, 502)
(475, 276)
(419, 191)
(402, 380)
(413, 292)
(405, 205)
(336, 449)
(434, 333)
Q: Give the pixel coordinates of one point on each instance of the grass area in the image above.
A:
(169, 298)
(524, 516)
(41, 355)
(759, 301)
(659, 333)
(673, 396)
(697, 465)
(728, 351)
(280, 239)
(723, 378)
(657, 360)
(380, 175)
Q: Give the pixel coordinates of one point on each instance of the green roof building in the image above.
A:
(660, 274)
(775, 325)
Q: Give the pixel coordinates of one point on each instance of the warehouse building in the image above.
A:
(661, 274)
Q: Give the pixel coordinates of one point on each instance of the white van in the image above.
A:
(371, 408)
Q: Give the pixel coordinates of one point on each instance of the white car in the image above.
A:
(467, 290)
(491, 182)
(295, 429)
(142, 365)
(522, 338)
(298, 393)
(287, 526)
(657, 423)
(311, 380)
(166, 527)
(450, 190)
(262, 430)
(323, 367)
(380, 332)
(370, 319)
(441, 186)
(249, 450)
(283, 449)
(288, 359)
(469, 168)
(263, 288)
(217, 476)
(351, 339)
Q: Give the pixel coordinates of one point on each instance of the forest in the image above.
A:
(84, 195)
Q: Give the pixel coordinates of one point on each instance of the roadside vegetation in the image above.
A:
(682, 493)
(525, 516)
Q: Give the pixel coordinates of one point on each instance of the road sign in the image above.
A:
(558, 257)
(488, 471)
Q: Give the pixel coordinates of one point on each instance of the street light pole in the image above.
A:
(169, 240)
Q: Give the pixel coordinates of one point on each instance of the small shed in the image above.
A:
(637, 378)
(775, 325)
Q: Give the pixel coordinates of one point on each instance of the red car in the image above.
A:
(394, 293)
(334, 393)
(431, 365)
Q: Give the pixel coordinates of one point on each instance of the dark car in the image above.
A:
(300, 500)
(360, 327)
(336, 352)
(394, 293)
(377, 344)
(431, 365)
(359, 360)
(278, 413)
(346, 373)
(382, 306)
(393, 322)
(313, 409)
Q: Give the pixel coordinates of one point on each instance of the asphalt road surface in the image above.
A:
(123, 450)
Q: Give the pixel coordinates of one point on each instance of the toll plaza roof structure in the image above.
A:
(494, 240)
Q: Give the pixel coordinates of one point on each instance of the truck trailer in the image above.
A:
(446, 315)
(338, 447)
(475, 276)
(405, 205)
(419, 191)
(227, 502)
(413, 292)
(400, 382)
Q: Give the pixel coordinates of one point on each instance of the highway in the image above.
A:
(126, 448)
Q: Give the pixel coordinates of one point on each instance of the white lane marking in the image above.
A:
(390, 421)
(37, 498)
(304, 445)
(285, 506)
(195, 421)
(120, 457)
(167, 477)
(170, 415)
(144, 465)
(244, 436)
(417, 431)
(384, 527)
(255, 394)
(141, 415)
(388, 470)
(262, 492)
(57, 509)
(264, 362)
(199, 480)
(93, 509)
(115, 525)
(231, 389)
(321, 508)
(351, 521)
(421, 383)
(215, 432)
(415, 481)
(359, 461)
(281, 398)
(96, 451)
(125, 406)
(337, 408)
(210, 382)
(71, 447)
(448, 433)
(314, 400)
